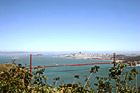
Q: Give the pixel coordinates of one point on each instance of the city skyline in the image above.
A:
(69, 25)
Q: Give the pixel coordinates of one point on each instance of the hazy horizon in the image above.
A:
(68, 52)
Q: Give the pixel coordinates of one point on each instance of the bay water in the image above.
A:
(66, 73)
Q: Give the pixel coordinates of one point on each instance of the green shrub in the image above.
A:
(19, 80)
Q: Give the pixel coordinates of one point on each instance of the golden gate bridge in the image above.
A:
(31, 67)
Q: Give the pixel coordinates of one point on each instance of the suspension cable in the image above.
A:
(21, 59)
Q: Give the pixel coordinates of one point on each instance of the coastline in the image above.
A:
(81, 58)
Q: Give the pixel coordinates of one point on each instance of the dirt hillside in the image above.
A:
(6, 67)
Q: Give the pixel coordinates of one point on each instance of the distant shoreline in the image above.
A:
(86, 56)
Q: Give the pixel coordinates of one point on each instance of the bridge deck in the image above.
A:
(69, 65)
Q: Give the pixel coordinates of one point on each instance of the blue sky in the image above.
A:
(69, 25)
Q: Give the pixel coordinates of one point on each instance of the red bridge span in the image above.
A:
(61, 65)
(69, 65)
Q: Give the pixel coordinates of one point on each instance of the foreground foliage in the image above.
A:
(19, 80)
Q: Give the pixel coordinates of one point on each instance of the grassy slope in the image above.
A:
(6, 67)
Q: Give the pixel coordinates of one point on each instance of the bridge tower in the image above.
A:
(31, 63)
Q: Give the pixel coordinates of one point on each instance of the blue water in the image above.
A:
(66, 73)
